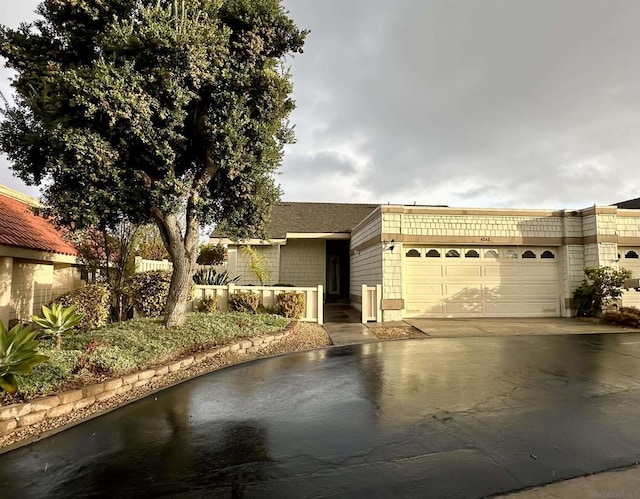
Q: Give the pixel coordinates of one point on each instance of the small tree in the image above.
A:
(163, 111)
(600, 286)
(257, 264)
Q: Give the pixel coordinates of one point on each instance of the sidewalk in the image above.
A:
(343, 324)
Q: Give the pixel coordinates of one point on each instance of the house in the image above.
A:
(436, 261)
(36, 263)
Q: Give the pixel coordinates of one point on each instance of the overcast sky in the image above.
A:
(488, 103)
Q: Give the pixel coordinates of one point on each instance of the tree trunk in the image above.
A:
(183, 251)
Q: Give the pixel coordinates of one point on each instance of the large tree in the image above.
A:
(167, 110)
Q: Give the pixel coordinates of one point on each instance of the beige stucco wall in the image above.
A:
(303, 262)
(26, 285)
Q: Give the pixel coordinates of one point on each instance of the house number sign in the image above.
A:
(485, 239)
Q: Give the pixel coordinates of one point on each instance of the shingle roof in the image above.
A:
(20, 227)
(294, 217)
(631, 204)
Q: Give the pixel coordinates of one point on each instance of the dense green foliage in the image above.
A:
(91, 302)
(18, 355)
(57, 321)
(211, 254)
(209, 277)
(600, 286)
(159, 111)
(291, 304)
(148, 292)
(244, 301)
(124, 347)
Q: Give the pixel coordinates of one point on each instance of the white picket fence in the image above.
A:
(371, 296)
(313, 297)
(143, 265)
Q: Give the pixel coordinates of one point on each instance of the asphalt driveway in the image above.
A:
(462, 328)
(446, 417)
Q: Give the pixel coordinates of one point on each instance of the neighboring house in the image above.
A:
(434, 261)
(36, 263)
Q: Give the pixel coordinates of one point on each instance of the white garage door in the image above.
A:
(629, 260)
(481, 282)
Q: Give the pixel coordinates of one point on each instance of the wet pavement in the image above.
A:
(456, 417)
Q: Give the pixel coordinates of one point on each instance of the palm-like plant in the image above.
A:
(18, 355)
(57, 321)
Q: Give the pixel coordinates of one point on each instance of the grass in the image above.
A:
(124, 347)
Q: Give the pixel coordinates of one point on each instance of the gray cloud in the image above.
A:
(492, 103)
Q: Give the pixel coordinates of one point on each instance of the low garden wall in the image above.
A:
(20, 415)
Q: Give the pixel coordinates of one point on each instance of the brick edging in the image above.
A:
(23, 414)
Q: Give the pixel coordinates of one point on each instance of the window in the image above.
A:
(472, 254)
(547, 254)
(510, 254)
(491, 254)
(631, 254)
(528, 254)
(453, 254)
(413, 253)
(433, 254)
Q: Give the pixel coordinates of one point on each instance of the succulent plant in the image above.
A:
(18, 355)
(57, 321)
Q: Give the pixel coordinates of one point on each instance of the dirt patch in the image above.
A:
(397, 333)
(305, 337)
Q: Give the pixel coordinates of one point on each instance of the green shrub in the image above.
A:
(209, 277)
(211, 254)
(18, 355)
(91, 302)
(245, 301)
(148, 292)
(208, 304)
(291, 305)
(599, 287)
(57, 320)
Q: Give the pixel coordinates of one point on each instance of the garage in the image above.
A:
(629, 259)
(481, 282)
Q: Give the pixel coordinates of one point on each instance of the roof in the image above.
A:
(21, 228)
(294, 217)
(631, 204)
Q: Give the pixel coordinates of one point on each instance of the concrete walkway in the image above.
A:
(344, 327)
(461, 328)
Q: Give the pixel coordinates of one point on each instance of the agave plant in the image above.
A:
(209, 277)
(18, 355)
(57, 321)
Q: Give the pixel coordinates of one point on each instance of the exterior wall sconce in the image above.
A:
(389, 245)
(355, 252)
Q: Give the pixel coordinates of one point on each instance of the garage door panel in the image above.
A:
(463, 271)
(539, 271)
(460, 287)
(500, 271)
(419, 272)
(452, 290)
(464, 309)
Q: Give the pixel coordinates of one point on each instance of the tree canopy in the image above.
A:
(153, 110)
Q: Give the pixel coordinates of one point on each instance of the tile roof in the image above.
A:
(295, 217)
(631, 204)
(21, 228)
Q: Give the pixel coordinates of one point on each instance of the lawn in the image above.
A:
(124, 347)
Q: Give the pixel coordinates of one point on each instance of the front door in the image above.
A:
(337, 278)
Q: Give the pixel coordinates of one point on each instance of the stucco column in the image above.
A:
(6, 271)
